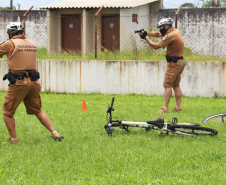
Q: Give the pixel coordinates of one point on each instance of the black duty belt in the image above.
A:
(173, 59)
(34, 75)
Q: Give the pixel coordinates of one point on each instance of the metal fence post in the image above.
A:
(176, 15)
(96, 30)
(25, 17)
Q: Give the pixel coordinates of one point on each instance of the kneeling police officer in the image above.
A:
(24, 84)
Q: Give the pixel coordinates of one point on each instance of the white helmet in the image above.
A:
(15, 28)
(165, 21)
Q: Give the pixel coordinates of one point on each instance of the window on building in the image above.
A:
(134, 18)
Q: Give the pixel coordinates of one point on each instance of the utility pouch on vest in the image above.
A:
(168, 58)
(9, 76)
(34, 75)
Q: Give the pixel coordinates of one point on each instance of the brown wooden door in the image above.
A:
(110, 32)
(71, 33)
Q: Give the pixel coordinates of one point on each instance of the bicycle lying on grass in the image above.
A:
(215, 118)
(158, 124)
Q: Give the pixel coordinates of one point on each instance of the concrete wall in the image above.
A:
(121, 77)
(35, 25)
(127, 27)
(203, 29)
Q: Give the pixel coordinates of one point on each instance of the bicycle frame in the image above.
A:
(189, 129)
(157, 124)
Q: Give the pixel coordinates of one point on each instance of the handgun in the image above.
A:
(139, 31)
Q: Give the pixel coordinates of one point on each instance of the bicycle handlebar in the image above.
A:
(111, 107)
(112, 102)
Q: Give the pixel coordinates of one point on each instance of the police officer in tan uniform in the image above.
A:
(24, 84)
(172, 39)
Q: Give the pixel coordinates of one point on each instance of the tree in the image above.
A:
(18, 5)
(223, 3)
(8, 8)
(214, 3)
(5, 8)
(208, 4)
(11, 7)
(189, 5)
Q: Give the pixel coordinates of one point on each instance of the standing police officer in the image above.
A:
(23, 81)
(172, 39)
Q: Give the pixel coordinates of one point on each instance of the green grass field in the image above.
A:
(135, 54)
(88, 156)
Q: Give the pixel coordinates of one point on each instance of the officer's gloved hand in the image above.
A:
(143, 35)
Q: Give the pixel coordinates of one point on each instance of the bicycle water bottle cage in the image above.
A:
(158, 122)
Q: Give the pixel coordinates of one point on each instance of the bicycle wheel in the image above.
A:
(215, 118)
(192, 130)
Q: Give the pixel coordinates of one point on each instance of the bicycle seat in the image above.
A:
(158, 122)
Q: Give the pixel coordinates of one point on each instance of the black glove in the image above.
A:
(143, 35)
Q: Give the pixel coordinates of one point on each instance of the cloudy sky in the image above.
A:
(26, 4)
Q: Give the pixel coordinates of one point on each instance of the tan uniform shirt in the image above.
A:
(174, 42)
(21, 53)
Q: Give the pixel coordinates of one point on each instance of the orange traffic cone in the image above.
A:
(84, 105)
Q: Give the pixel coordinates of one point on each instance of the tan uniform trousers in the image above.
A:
(173, 74)
(27, 91)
